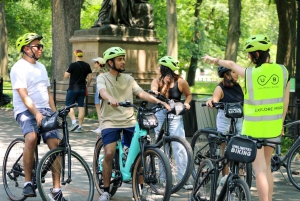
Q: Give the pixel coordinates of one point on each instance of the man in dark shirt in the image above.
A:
(77, 71)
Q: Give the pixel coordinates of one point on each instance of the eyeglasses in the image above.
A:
(39, 46)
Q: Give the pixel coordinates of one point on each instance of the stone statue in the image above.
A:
(129, 13)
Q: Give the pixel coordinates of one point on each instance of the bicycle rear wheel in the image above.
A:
(240, 191)
(201, 150)
(179, 153)
(13, 170)
(157, 184)
(97, 170)
(203, 185)
(55, 163)
(293, 166)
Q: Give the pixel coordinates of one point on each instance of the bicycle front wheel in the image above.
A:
(203, 185)
(156, 185)
(201, 150)
(179, 152)
(293, 167)
(54, 164)
(13, 170)
(240, 191)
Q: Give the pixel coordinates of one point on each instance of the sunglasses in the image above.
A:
(39, 46)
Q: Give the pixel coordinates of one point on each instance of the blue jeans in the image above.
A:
(176, 128)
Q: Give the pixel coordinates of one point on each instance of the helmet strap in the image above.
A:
(32, 56)
(116, 69)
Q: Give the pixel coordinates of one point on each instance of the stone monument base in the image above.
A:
(141, 46)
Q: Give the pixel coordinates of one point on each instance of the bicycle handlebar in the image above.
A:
(65, 110)
(139, 108)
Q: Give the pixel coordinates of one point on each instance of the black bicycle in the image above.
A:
(170, 144)
(75, 176)
(204, 148)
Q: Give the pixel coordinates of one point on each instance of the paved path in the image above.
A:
(83, 143)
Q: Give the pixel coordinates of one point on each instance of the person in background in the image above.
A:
(267, 86)
(77, 71)
(172, 86)
(227, 91)
(32, 101)
(114, 87)
(99, 67)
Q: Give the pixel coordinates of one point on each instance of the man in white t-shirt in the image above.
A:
(32, 101)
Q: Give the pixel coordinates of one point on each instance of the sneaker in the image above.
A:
(58, 196)
(104, 197)
(97, 130)
(188, 186)
(28, 191)
(73, 127)
(78, 130)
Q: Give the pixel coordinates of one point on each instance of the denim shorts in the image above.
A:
(110, 135)
(96, 99)
(75, 96)
(28, 124)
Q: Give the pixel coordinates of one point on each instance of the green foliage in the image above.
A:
(29, 16)
(7, 90)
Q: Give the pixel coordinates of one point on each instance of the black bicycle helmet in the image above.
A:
(222, 70)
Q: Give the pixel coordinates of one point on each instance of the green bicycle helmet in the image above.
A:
(26, 39)
(170, 62)
(112, 53)
(257, 42)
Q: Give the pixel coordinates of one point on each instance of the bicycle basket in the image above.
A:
(147, 120)
(241, 149)
(233, 110)
(50, 123)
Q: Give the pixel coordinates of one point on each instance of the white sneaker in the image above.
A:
(188, 186)
(104, 197)
(97, 130)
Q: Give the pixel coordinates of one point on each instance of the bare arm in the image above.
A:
(106, 96)
(66, 75)
(90, 77)
(186, 91)
(29, 104)
(286, 100)
(217, 96)
(226, 63)
(147, 97)
(154, 85)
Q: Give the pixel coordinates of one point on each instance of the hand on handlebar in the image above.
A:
(166, 106)
(113, 102)
(209, 103)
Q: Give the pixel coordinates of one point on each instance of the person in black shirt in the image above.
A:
(77, 71)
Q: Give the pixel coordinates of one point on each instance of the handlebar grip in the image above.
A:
(71, 106)
(203, 104)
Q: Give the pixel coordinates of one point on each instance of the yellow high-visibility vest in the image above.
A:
(263, 100)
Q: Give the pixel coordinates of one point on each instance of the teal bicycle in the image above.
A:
(144, 164)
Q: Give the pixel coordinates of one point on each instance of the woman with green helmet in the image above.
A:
(173, 86)
(265, 104)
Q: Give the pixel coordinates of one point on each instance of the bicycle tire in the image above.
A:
(203, 192)
(240, 191)
(13, 182)
(81, 186)
(292, 167)
(157, 185)
(97, 171)
(184, 170)
(201, 150)
(245, 172)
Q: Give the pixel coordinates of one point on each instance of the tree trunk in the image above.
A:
(195, 52)
(234, 31)
(65, 20)
(172, 44)
(4, 44)
(286, 51)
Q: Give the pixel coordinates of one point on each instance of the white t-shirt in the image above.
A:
(34, 78)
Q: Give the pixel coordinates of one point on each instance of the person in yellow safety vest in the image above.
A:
(265, 104)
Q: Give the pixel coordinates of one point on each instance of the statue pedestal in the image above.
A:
(141, 46)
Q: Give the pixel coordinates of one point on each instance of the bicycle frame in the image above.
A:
(136, 147)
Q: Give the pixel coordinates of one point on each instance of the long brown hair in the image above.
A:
(226, 82)
(163, 87)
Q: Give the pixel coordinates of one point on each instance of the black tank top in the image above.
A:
(232, 94)
(175, 93)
